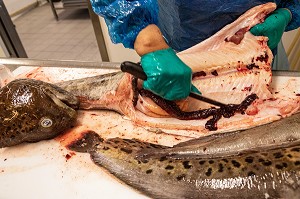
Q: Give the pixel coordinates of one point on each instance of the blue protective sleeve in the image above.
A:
(294, 7)
(183, 23)
(126, 18)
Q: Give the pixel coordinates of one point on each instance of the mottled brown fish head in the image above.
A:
(32, 110)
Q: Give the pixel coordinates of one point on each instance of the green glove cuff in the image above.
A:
(167, 75)
(287, 14)
(273, 27)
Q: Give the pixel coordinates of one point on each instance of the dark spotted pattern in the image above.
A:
(249, 159)
(105, 148)
(208, 172)
(281, 166)
(126, 150)
(149, 171)
(180, 177)
(236, 163)
(251, 173)
(221, 168)
(32, 110)
(163, 158)
(265, 162)
(187, 165)
(278, 155)
(201, 162)
(169, 167)
(269, 168)
(225, 160)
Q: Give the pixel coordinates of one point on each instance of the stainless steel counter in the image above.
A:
(13, 63)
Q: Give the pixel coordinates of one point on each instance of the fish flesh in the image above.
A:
(115, 92)
(230, 84)
(267, 173)
(225, 70)
(229, 70)
(32, 110)
(109, 101)
(280, 132)
(233, 69)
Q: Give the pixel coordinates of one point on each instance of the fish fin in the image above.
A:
(155, 151)
(206, 140)
(88, 142)
(174, 152)
(66, 98)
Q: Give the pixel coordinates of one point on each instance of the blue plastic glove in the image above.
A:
(273, 27)
(167, 75)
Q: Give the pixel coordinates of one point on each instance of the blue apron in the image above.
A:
(185, 23)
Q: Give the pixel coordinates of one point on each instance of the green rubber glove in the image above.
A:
(167, 75)
(273, 27)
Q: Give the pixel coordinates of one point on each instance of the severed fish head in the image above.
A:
(32, 110)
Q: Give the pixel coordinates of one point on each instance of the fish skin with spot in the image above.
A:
(272, 173)
(33, 110)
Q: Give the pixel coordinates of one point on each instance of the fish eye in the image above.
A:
(46, 122)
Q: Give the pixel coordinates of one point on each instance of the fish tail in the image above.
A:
(87, 143)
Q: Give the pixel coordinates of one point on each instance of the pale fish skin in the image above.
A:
(280, 132)
(267, 173)
(96, 92)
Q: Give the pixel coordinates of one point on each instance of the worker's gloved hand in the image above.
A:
(167, 75)
(273, 27)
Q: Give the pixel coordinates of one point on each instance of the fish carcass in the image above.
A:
(267, 173)
(228, 67)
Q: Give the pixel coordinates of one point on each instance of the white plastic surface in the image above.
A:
(43, 169)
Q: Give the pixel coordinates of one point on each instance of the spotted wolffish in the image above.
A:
(32, 110)
(270, 173)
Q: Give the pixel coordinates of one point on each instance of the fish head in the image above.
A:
(33, 111)
(59, 110)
